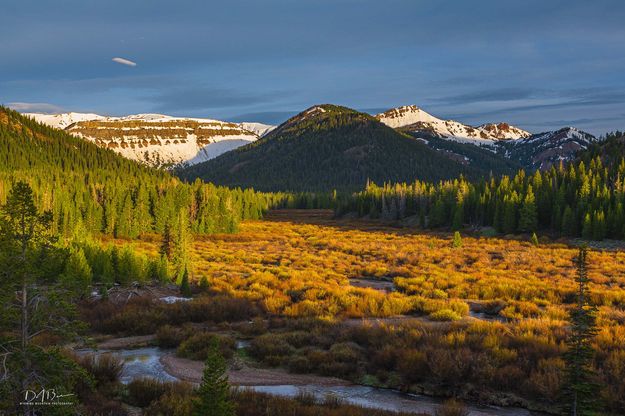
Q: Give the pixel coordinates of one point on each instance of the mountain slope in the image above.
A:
(415, 120)
(156, 139)
(328, 147)
(89, 189)
(543, 150)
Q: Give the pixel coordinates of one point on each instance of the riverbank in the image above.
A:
(244, 375)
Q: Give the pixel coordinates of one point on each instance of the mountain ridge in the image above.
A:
(328, 147)
(155, 139)
(414, 119)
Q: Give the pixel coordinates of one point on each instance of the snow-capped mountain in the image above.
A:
(156, 139)
(413, 119)
(543, 150)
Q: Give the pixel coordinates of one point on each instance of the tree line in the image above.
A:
(585, 198)
(90, 190)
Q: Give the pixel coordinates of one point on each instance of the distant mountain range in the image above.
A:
(347, 147)
(328, 147)
(155, 139)
(413, 119)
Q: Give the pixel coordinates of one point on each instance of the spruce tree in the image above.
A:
(166, 248)
(598, 225)
(569, 222)
(458, 218)
(457, 242)
(77, 274)
(535, 239)
(528, 217)
(587, 227)
(580, 390)
(204, 284)
(34, 302)
(185, 288)
(214, 392)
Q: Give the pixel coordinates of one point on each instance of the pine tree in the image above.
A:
(33, 301)
(569, 222)
(214, 392)
(598, 225)
(185, 288)
(457, 242)
(587, 227)
(580, 390)
(204, 284)
(458, 218)
(535, 239)
(181, 243)
(509, 220)
(77, 274)
(166, 248)
(528, 217)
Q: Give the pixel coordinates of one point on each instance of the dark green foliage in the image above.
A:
(328, 147)
(90, 190)
(185, 288)
(580, 390)
(166, 248)
(479, 158)
(204, 284)
(35, 302)
(579, 199)
(214, 392)
(528, 216)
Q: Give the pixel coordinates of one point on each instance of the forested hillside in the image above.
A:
(93, 190)
(585, 198)
(478, 157)
(329, 147)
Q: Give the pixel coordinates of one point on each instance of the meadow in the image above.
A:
(485, 320)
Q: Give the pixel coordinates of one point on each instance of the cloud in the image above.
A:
(124, 61)
(35, 108)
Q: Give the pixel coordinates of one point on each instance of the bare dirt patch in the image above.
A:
(191, 371)
(378, 284)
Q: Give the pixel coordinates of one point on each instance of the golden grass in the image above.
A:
(303, 269)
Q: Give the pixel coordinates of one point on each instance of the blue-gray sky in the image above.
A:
(539, 64)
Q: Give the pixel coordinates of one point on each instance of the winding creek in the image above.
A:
(147, 362)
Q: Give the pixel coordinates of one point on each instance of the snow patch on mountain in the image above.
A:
(414, 119)
(158, 139)
(543, 150)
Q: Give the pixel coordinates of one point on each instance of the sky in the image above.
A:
(539, 65)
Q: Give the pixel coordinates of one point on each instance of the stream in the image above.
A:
(145, 362)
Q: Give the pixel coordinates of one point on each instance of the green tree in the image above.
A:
(569, 222)
(204, 284)
(587, 227)
(166, 249)
(77, 274)
(580, 390)
(182, 241)
(457, 242)
(185, 288)
(214, 392)
(535, 239)
(598, 225)
(34, 301)
(458, 218)
(528, 216)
